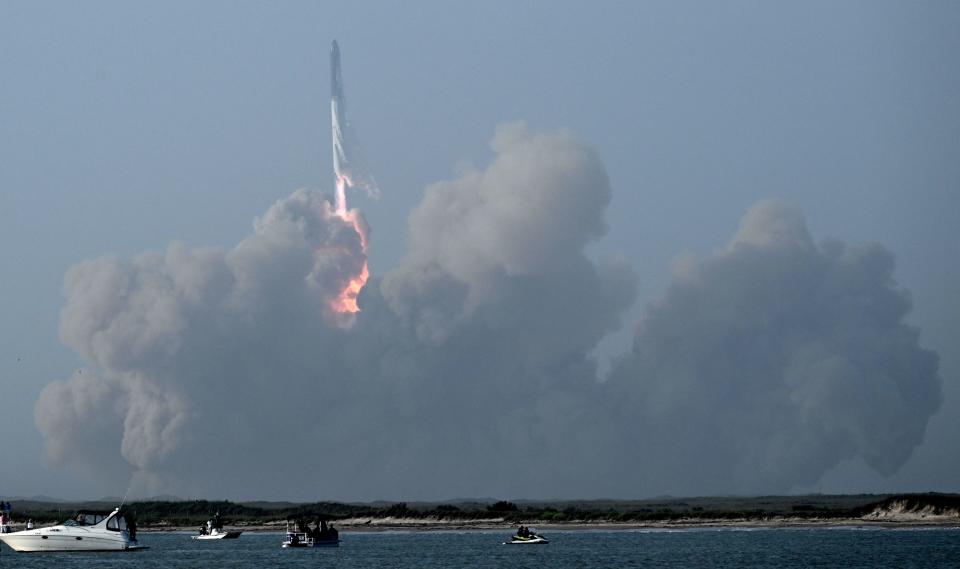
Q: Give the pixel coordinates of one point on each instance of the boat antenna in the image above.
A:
(124, 500)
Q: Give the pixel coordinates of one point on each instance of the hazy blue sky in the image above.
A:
(127, 125)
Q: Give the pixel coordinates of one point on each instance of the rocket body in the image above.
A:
(338, 114)
(348, 164)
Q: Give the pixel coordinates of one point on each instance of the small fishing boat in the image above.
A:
(214, 530)
(218, 534)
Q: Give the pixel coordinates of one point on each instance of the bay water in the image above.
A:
(687, 548)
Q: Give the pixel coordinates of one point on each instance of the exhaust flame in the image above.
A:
(346, 301)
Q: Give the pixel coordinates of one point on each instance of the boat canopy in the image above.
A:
(309, 517)
(87, 518)
(116, 520)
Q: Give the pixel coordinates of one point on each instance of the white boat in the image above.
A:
(87, 531)
(219, 534)
(214, 530)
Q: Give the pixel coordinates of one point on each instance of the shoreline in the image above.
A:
(375, 526)
(930, 510)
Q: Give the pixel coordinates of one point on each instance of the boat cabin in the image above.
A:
(87, 518)
(114, 521)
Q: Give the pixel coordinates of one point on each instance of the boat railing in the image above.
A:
(302, 537)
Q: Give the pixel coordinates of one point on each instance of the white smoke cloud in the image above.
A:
(467, 371)
(82, 423)
(771, 361)
(459, 359)
(519, 223)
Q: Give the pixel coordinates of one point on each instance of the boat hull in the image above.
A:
(325, 543)
(220, 535)
(39, 540)
(534, 541)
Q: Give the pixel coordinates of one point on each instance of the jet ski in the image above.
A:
(529, 540)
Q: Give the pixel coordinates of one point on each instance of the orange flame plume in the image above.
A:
(346, 301)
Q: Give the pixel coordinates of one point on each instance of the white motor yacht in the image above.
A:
(87, 531)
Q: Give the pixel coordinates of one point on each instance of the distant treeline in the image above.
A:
(195, 512)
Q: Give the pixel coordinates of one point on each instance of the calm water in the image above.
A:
(781, 548)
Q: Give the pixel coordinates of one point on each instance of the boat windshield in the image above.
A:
(117, 523)
(85, 519)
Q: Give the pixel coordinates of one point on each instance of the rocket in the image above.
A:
(349, 169)
(338, 115)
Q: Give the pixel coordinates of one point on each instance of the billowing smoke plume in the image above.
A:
(467, 370)
(770, 362)
(180, 335)
(228, 368)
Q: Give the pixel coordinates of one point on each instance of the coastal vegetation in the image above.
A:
(178, 513)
